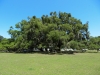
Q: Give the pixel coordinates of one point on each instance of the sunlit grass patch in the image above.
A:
(44, 64)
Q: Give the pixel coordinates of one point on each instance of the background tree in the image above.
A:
(1, 38)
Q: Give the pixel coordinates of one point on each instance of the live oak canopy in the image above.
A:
(56, 30)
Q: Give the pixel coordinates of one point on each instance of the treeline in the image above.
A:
(54, 31)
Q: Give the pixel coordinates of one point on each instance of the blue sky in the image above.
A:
(13, 11)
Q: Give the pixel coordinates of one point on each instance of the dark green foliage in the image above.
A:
(56, 30)
(94, 43)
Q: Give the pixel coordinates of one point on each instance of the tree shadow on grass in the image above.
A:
(46, 53)
(92, 51)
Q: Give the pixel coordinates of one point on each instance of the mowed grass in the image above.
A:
(44, 64)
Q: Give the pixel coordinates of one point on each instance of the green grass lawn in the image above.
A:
(44, 64)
